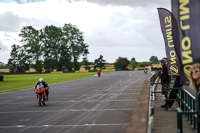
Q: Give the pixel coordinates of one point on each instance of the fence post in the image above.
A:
(166, 100)
(179, 121)
(182, 100)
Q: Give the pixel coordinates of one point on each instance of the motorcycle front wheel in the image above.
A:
(40, 100)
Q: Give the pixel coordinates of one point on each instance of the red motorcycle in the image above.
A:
(99, 73)
(41, 94)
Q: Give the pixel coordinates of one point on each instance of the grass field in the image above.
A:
(18, 82)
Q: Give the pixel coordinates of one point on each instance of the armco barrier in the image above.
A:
(153, 89)
(68, 71)
(92, 70)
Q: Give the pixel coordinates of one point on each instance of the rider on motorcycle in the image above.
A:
(99, 72)
(145, 70)
(41, 81)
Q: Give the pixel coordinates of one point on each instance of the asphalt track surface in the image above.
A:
(92, 105)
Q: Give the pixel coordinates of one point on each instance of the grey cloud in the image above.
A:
(20, 1)
(39, 24)
(132, 3)
(6, 39)
(10, 22)
(7, 35)
(27, 1)
(122, 32)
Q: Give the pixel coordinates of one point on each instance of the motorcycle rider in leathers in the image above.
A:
(41, 81)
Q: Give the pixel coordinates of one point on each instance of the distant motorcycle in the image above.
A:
(99, 73)
(41, 94)
(145, 71)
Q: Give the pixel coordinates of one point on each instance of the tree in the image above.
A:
(75, 41)
(31, 40)
(144, 64)
(122, 63)
(19, 61)
(51, 37)
(13, 61)
(38, 66)
(65, 59)
(2, 65)
(100, 62)
(86, 63)
(133, 64)
(154, 60)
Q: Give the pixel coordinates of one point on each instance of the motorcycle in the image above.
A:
(145, 71)
(99, 73)
(41, 94)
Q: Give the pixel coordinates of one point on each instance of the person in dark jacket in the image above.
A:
(194, 77)
(41, 81)
(165, 79)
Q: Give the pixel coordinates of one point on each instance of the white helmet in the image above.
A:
(41, 79)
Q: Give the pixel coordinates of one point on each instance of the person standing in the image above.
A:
(173, 93)
(194, 77)
(165, 79)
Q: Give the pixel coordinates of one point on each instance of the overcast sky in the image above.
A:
(112, 28)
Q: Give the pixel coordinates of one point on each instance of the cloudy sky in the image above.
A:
(112, 28)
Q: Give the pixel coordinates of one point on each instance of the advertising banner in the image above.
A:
(166, 21)
(187, 14)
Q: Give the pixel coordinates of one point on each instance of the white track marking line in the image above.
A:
(70, 110)
(78, 125)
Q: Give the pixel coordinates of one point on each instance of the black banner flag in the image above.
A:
(166, 21)
(187, 14)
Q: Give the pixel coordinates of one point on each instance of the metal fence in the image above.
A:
(187, 108)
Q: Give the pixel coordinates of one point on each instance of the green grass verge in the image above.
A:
(18, 82)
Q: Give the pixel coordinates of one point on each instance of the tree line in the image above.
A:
(123, 63)
(50, 48)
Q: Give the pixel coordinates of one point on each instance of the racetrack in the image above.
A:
(90, 105)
